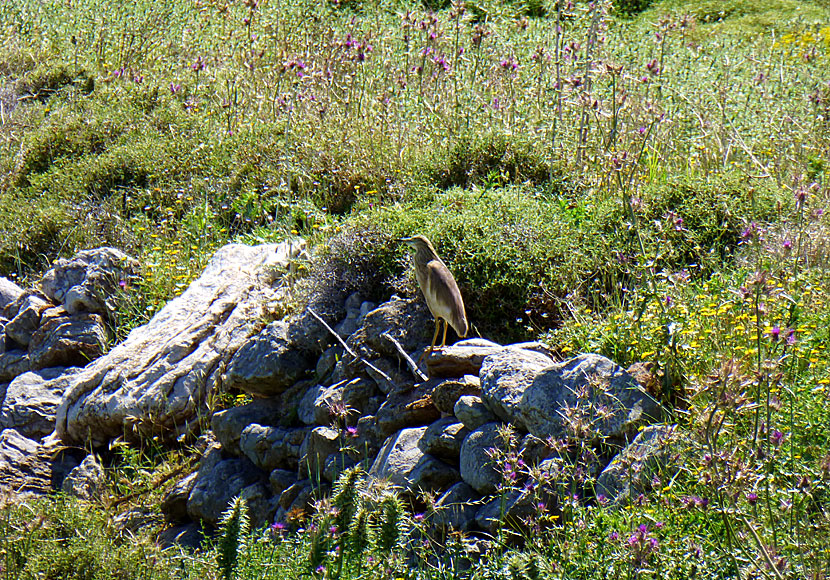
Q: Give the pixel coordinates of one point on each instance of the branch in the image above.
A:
(410, 363)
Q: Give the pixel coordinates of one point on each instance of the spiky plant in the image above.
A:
(234, 527)
(392, 528)
(346, 496)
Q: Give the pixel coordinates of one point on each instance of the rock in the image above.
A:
(406, 320)
(407, 408)
(227, 425)
(643, 373)
(472, 412)
(31, 401)
(327, 362)
(156, 381)
(88, 281)
(261, 505)
(581, 386)
(402, 462)
(634, 469)
(477, 460)
(270, 448)
(318, 445)
(186, 536)
(267, 364)
(216, 485)
(13, 363)
(456, 508)
(515, 511)
(291, 493)
(467, 356)
(87, 480)
(299, 498)
(174, 502)
(443, 439)
(68, 341)
(366, 439)
(335, 464)
(9, 293)
(24, 468)
(505, 377)
(280, 480)
(133, 521)
(27, 320)
(3, 322)
(446, 393)
(345, 401)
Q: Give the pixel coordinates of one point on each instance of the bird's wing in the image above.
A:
(446, 297)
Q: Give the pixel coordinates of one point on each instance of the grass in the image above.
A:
(647, 181)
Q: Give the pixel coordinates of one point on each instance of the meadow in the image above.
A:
(645, 180)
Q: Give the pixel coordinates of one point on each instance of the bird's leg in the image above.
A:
(434, 338)
(444, 340)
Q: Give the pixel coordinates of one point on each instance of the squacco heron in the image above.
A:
(439, 289)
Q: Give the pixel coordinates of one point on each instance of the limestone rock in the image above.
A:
(472, 412)
(156, 381)
(216, 485)
(402, 462)
(407, 408)
(9, 292)
(270, 448)
(23, 325)
(227, 425)
(31, 401)
(68, 341)
(446, 393)
(23, 467)
(478, 464)
(268, 363)
(13, 363)
(318, 445)
(88, 281)
(456, 509)
(443, 439)
(174, 502)
(505, 376)
(87, 480)
(581, 386)
(355, 398)
(632, 472)
(281, 479)
(407, 320)
(467, 356)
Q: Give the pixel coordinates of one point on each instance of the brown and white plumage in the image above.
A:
(439, 288)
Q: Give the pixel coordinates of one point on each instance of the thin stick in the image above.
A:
(348, 350)
(409, 362)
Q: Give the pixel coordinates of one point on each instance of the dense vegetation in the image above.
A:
(646, 180)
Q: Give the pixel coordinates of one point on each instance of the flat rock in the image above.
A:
(227, 425)
(472, 412)
(22, 326)
(67, 341)
(9, 292)
(407, 408)
(505, 377)
(270, 448)
(466, 357)
(446, 393)
(88, 281)
(23, 467)
(579, 386)
(156, 381)
(216, 485)
(402, 462)
(13, 363)
(31, 401)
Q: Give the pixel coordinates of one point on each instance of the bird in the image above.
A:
(439, 289)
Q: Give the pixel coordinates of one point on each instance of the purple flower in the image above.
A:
(775, 332)
(776, 437)
(175, 88)
(752, 498)
(352, 431)
(613, 536)
(790, 336)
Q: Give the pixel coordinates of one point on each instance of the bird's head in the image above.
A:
(417, 243)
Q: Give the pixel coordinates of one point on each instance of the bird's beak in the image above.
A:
(406, 241)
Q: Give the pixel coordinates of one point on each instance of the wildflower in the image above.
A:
(320, 569)
(419, 517)
(613, 536)
(653, 67)
(198, 64)
(352, 431)
(175, 88)
(790, 336)
(752, 498)
(750, 232)
(775, 332)
(787, 244)
(776, 437)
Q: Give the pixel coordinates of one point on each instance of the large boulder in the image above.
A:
(404, 464)
(480, 459)
(407, 408)
(443, 439)
(31, 401)
(408, 321)
(506, 375)
(588, 387)
(467, 356)
(27, 312)
(9, 292)
(87, 480)
(88, 281)
(156, 382)
(270, 448)
(64, 341)
(24, 468)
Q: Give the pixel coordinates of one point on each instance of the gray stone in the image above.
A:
(188, 536)
(446, 393)
(479, 458)
(586, 389)
(505, 377)
(261, 505)
(407, 408)
(656, 449)
(23, 467)
(281, 479)
(327, 362)
(227, 425)
(318, 445)
(270, 448)
(9, 292)
(467, 356)
(135, 520)
(402, 462)
(456, 509)
(216, 485)
(342, 402)
(335, 464)
(3, 322)
(156, 382)
(267, 364)
(31, 401)
(472, 412)
(406, 320)
(68, 341)
(21, 328)
(13, 363)
(174, 502)
(87, 480)
(90, 280)
(443, 439)
(516, 510)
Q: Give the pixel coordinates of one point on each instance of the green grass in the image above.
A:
(660, 209)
